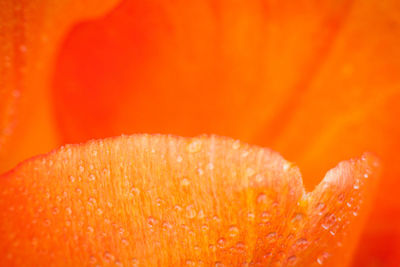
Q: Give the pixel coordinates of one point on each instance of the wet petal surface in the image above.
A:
(162, 200)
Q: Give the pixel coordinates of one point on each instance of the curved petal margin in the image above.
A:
(168, 201)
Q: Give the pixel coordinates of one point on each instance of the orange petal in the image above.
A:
(190, 67)
(30, 36)
(169, 201)
(353, 103)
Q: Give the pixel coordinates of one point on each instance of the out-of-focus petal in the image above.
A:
(190, 67)
(161, 200)
(351, 106)
(30, 32)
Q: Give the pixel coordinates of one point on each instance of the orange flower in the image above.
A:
(317, 82)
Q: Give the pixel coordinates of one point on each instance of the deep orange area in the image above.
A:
(316, 82)
(168, 201)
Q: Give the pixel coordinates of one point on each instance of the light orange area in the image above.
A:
(30, 32)
(168, 201)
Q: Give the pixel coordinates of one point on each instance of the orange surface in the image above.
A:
(168, 201)
(30, 33)
(317, 82)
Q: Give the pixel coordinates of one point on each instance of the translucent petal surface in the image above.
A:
(162, 200)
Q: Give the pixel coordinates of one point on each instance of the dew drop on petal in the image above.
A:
(236, 145)
(185, 182)
(262, 198)
(221, 242)
(179, 159)
(190, 212)
(233, 231)
(194, 146)
(322, 258)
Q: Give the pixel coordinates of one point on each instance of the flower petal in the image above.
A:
(190, 67)
(163, 200)
(30, 36)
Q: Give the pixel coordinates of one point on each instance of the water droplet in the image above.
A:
(221, 242)
(219, 264)
(179, 159)
(260, 178)
(190, 212)
(298, 217)
(286, 166)
(265, 216)
(262, 198)
(271, 236)
(71, 178)
(92, 260)
(249, 172)
(233, 231)
(106, 172)
(240, 246)
(322, 258)
(366, 175)
(236, 145)
(78, 191)
(178, 208)
(125, 242)
(166, 226)
(194, 146)
(118, 263)
(135, 191)
(90, 229)
(200, 214)
(320, 208)
(121, 231)
(92, 177)
(92, 201)
(151, 221)
(81, 168)
(210, 166)
(250, 216)
(216, 219)
(204, 228)
(301, 243)
(99, 212)
(185, 182)
(328, 221)
(108, 257)
(356, 186)
(200, 171)
(55, 211)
